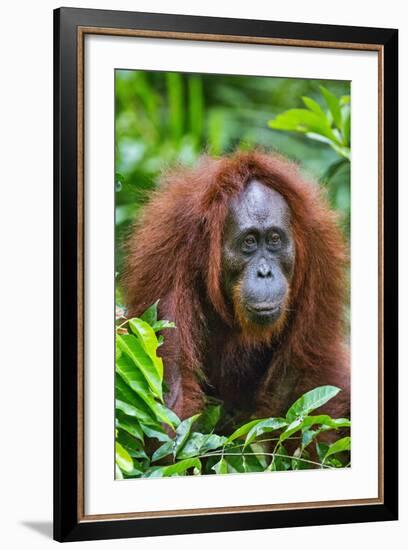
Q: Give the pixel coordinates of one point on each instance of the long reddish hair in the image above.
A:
(174, 254)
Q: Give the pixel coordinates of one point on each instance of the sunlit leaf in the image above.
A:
(123, 459)
(338, 446)
(333, 104)
(182, 433)
(221, 467)
(265, 426)
(311, 400)
(130, 345)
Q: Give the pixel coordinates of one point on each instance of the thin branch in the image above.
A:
(267, 454)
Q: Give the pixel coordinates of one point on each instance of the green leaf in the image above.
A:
(135, 379)
(133, 446)
(221, 467)
(182, 433)
(338, 446)
(303, 121)
(130, 403)
(209, 418)
(118, 472)
(181, 466)
(155, 432)
(324, 420)
(345, 112)
(240, 463)
(333, 104)
(146, 336)
(198, 444)
(148, 339)
(160, 325)
(311, 400)
(265, 426)
(138, 412)
(129, 424)
(244, 429)
(282, 462)
(308, 436)
(321, 449)
(293, 427)
(164, 450)
(130, 345)
(123, 459)
(312, 105)
(150, 315)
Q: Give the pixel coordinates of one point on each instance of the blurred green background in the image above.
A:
(165, 117)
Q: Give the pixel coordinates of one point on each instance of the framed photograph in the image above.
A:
(225, 274)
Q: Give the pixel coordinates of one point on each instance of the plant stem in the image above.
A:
(206, 455)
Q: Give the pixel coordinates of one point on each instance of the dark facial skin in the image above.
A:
(258, 253)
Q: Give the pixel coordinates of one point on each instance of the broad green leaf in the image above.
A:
(265, 426)
(150, 315)
(198, 444)
(324, 420)
(221, 467)
(182, 466)
(130, 345)
(308, 436)
(154, 471)
(133, 446)
(164, 450)
(136, 472)
(281, 461)
(146, 336)
(118, 472)
(327, 421)
(346, 125)
(136, 380)
(129, 424)
(209, 418)
(182, 433)
(244, 429)
(321, 449)
(333, 104)
(259, 451)
(313, 106)
(148, 339)
(160, 325)
(311, 400)
(155, 432)
(342, 444)
(293, 427)
(192, 446)
(297, 463)
(140, 413)
(240, 463)
(123, 459)
(303, 121)
(130, 403)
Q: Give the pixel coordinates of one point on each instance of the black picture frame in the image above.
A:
(68, 525)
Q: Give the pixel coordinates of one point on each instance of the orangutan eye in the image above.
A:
(249, 243)
(274, 240)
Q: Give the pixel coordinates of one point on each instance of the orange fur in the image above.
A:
(174, 254)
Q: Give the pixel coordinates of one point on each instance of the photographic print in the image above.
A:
(225, 274)
(232, 201)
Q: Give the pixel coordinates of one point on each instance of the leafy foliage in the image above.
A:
(165, 118)
(191, 446)
(331, 126)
